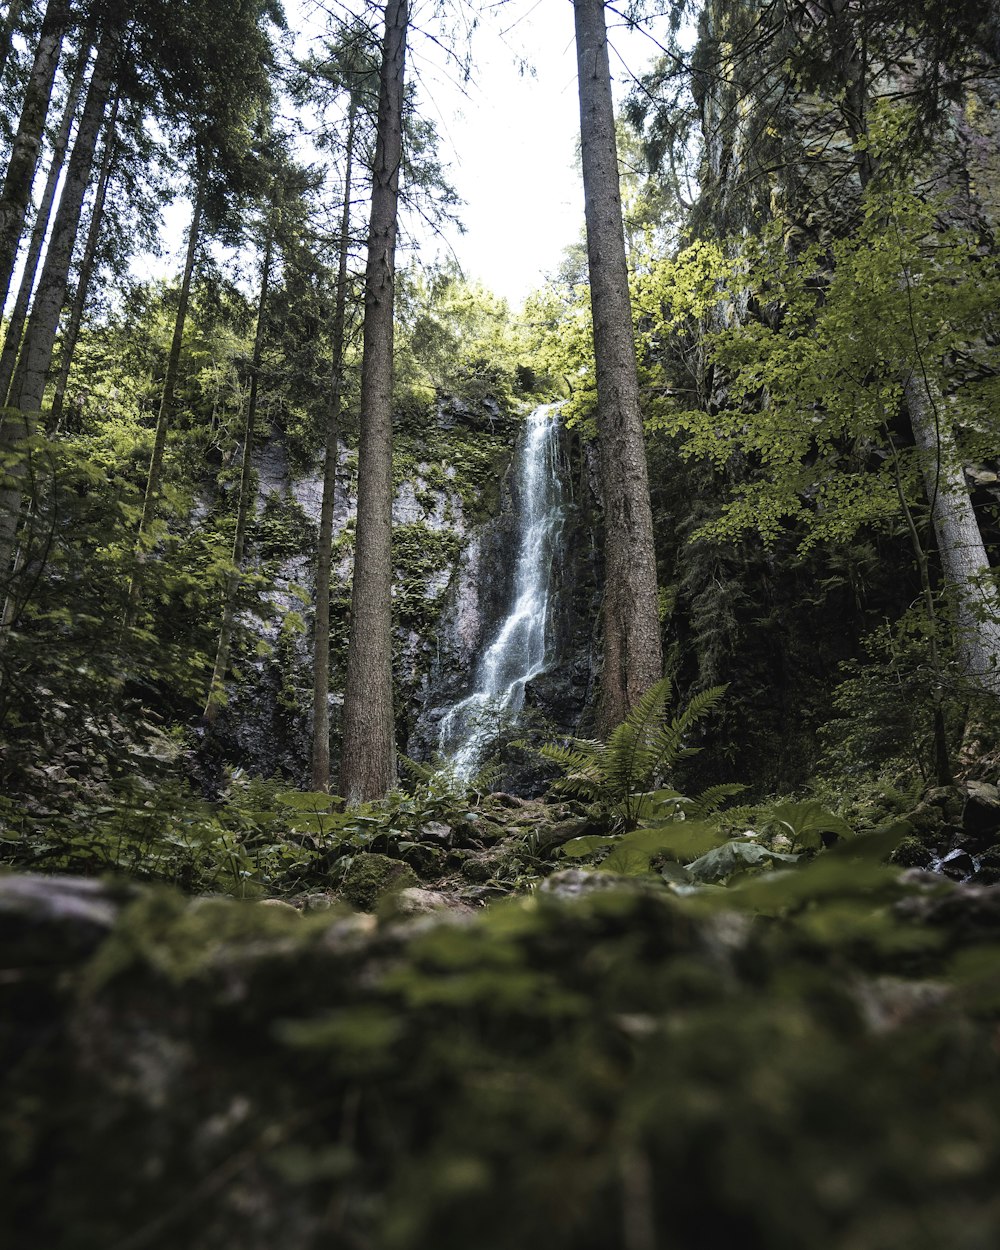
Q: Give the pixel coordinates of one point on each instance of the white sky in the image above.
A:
(513, 142)
(508, 138)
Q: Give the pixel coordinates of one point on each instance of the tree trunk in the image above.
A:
(9, 26)
(68, 342)
(28, 141)
(969, 584)
(632, 655)
(324, 554)
(33, 364)
(216, 690)
(368, 755)
(164, 415)
(15, 326)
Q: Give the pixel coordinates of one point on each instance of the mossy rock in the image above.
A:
(927, 818)
(426, 861)
(498, 1065)
(949, 799)
(480, 869)
(990, 858)
(910, 853)
(370, 877)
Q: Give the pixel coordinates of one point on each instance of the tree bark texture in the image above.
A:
(69, 339)
(632, 653)
(19, 314)
(368, 755)
(28, 140)
(969, 586)
(164, 415)
(216, 691)
(33, 363)
(324, 554)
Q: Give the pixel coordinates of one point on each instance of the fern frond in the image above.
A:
(419, 771)
(710, 800)
(487, 779)
(630, 743)
(668, 744)
(581, 760)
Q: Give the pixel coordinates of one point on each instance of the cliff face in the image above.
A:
(447, 466)
(454, 518)
(482, 592)
(789, 101)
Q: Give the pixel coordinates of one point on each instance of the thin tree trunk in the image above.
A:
(15, 326)
(324, 555)
(28, 141)
(632, 654)
(368, 755)
(968, 580)
(7, 38)
(33, 364)
(67, 347)
(216, 690)
(942, 760)
(154, 475)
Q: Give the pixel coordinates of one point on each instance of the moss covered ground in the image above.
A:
(807, 1058)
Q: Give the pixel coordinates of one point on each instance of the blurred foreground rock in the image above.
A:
(813, 1062)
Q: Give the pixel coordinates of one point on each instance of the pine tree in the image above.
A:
(632, 653)
(16, 191)
(368, 755)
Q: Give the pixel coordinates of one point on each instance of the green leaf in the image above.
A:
(734, 857)
(680, 839)
(577, 848)
(626, 861)
(806, 821)
(305, 800)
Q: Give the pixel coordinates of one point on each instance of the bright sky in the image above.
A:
(514, 139)
(510, 136)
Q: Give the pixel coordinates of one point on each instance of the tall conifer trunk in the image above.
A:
(27, 145)
(165, 413)
(324, 553)
(67, 345)
(33, 363)
(632, 653)
(19, 314)
(368, 755)
(216, 689)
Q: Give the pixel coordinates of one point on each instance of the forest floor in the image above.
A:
(501, 1050)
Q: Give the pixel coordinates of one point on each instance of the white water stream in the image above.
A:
(518, 652)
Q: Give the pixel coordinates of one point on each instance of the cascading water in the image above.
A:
(518, 651)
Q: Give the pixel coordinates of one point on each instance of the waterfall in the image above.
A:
(518, 651)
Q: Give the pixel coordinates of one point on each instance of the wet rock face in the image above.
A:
(447, 467)
(557, 700)
(981, 814)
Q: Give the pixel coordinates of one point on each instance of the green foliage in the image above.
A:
(813, 383)
(621, 773)
(808, 824)
(733, 859)
(883, 707)
(369, 878)
(455, 337)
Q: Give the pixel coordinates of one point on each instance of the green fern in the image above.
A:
(623, 773)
